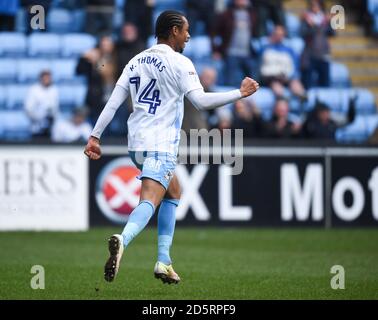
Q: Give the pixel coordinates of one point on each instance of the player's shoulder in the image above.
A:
(137, 56)
(182, 61)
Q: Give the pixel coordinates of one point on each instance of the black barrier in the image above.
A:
(315, 187)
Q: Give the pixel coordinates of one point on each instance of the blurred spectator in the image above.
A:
(139, 12)
(280, 126)
(99, 19)
(268, 10)
(280, 66)
(8, 11)
(320, 125)
(316, 55)
(128, 46)
(200, 11)
(75, 129)
(42, 105)
(231, 41)
(248, 118)
(99, 66)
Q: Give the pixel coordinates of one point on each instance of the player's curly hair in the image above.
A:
(166, 21)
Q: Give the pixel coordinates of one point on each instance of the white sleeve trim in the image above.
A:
(210, 100)
(118, 96)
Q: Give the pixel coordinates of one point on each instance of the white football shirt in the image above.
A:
(157, 80)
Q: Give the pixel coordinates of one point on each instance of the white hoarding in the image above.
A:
(43, 188)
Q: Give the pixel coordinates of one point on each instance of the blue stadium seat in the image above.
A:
(75, 44)
(15, 96)
(264, 99)
(14, 125)
(60, 21)
(79, 19)
(8, 70)
(21, 21)
(338, 99)
(44, 45)
(297, 44)
(63, 71)
(151, 41)
(12, 44)
(71, 96)
(189, 49)
(2, 97)
(201, 47)
(339, 74)
(359, 131)
(293, 24)
(162, 5)
(365, 103)
(372, 6)
(30, 69)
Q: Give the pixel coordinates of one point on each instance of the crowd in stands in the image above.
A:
(288, 55)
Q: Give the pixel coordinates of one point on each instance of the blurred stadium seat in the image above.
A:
(15, 96)
(2, 97)
(59, 20)
(29, 69)
(338, 99)
(14, 125)
(293, 25)
(360, 130)
(200, 48)
(8, 70)
(71, 97)
(44, 45)
(296, 44)
(372, 6)
(12, 44)
(264, 99)
(63, 71)
(21, 19)
(339, 75)
(75, 44)
(162, 5)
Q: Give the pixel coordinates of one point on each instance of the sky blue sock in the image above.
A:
(138, 219)
(166, 228)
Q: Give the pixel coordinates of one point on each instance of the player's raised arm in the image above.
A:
(119, 95)
(210, 100)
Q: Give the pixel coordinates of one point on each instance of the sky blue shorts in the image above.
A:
(158, 166)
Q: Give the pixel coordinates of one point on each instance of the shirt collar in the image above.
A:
(164, 46)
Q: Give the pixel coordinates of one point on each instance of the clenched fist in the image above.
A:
(248, 87)
(92, 149)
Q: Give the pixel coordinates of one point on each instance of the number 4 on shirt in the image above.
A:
(145, 98)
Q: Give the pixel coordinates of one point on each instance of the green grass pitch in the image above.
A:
(214, 263)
